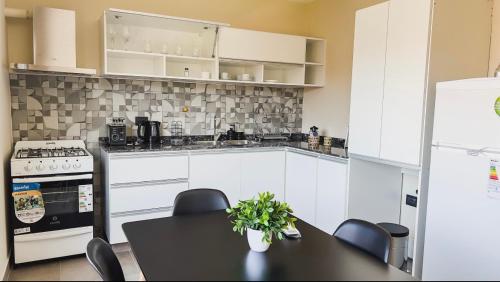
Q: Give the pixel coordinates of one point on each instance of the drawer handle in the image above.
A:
(147, 156)
(149, 183)
(141, 212)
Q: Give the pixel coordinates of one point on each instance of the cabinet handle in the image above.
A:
(148, 183)
(141, 212)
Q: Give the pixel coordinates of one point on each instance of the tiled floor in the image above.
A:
(74, 269)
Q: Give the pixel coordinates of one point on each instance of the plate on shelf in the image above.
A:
(271, 81)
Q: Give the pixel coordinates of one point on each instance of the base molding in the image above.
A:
(7, 270)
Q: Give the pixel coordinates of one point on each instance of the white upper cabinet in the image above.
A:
(263, 172)
(389, 84)
(367, 92)
(405, 80)
(252, 45)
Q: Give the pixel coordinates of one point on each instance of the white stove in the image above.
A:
(50, 158)
(52, 194)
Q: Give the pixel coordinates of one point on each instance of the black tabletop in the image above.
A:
(205, 248)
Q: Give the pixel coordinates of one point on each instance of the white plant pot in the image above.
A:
(255, 241)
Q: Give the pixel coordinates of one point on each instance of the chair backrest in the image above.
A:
(200, 201)
(103, 259)
(367, 237)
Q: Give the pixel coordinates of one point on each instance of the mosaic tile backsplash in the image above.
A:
(48, 107)
(67, 107)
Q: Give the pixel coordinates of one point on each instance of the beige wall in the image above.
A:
(5, 142)
(268, 15)
(495, 39)
(328, 108)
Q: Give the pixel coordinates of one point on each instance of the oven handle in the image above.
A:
(53, 235)
(51, 179)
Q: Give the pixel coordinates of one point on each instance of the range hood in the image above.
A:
(54, 42)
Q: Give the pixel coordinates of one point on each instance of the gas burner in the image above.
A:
(40, 153)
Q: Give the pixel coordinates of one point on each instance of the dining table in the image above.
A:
(205, 248)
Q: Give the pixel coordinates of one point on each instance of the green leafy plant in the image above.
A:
(264, 214)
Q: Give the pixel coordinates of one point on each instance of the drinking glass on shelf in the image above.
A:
(164, 48)
(179, 50)
(126, 37)
(196, 52)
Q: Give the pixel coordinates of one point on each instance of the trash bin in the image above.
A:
(399, 243)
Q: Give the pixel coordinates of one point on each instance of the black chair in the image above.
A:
(367, 237)
(103, 259)
(200, 201)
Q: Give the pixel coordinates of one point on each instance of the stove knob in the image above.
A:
(53, 167)
(28, 168)
(40, 167)
(66, 166)
(77, 165)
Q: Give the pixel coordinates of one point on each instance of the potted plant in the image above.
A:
(261, 218)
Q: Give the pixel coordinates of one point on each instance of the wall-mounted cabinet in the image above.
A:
(149, 45)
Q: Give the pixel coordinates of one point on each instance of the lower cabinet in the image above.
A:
(263, 172)
(301, 172)
(331, 198)
(241, 176)
(217, 171)
(316, 189)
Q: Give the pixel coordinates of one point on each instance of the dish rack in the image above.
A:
(176, 129)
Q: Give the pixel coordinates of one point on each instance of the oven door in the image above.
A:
(66, 202)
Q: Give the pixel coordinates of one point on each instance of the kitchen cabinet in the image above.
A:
(249, 45)
(405, 80)
(301, 181)
(389, 81)
(140, 187)
(331, 196)
(137, 44)
(367, 93)
(221, 171)
(263, 172)
(314, 186)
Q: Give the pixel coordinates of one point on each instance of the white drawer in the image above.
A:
(140, 168)
(144, 196)
(115, 232)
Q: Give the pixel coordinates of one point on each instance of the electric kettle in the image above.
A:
(149, 132)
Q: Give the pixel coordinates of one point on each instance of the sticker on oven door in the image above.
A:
(20, 231)
(494, 181)
(85, 198)
(28, 202)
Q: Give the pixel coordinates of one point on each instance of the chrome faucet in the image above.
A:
(217, 135)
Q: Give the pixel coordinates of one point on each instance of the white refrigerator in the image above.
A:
(462, 240)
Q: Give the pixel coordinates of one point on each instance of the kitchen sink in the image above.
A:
(226, 143)
(239, 143)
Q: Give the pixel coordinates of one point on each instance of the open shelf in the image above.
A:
(315, 75)
(236, 69)
(284, 73)
(142, 64)
(175, 67)
(315, 51)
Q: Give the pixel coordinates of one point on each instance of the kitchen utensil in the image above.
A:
(225, 76)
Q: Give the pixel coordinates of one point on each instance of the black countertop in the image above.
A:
(303, 146)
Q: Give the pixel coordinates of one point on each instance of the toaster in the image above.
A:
(117, 132)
